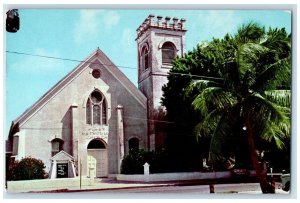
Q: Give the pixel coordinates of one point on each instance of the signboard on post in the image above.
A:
(62, 170)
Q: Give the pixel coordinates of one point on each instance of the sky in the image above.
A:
(76, 33)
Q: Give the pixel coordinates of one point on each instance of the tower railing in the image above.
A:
(150, 21)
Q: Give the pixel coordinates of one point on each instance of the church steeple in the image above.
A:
(159, 42)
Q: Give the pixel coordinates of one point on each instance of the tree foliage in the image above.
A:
(26, 169)
(160, 161)
(240, 88)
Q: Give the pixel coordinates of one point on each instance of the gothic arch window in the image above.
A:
(133, 144)
(168, 53)
(145, 57)
(96, 112)
(56, 146)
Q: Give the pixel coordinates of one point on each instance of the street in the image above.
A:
(245, 188)
(196, 189)
(236, 190)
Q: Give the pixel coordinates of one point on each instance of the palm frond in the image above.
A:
(257, 106)
(270, 121)
(217, 145)
(207, 126)
(247, 57)
(279, 97)
(213, 98)
(199, 85)
(279, 41)
(276, 133)
(250, 32)
(228, 121)
(273, 75)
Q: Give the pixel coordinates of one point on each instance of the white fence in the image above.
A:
(178, 176)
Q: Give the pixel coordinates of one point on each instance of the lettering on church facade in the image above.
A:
(96, 132)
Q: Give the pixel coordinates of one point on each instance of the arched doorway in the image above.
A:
(97, 163)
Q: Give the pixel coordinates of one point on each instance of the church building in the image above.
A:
(94, 115)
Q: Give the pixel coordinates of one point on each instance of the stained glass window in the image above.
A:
(96, 112)
(96, 97)
(88, 112)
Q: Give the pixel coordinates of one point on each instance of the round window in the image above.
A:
(96, 73)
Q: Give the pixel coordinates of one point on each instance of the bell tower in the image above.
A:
(159, 42)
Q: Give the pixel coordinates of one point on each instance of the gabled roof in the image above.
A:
(105, 62)
(62, 156)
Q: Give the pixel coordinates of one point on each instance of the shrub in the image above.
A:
(133, 163)
(26, 169)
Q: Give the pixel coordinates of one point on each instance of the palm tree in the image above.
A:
(252, 98)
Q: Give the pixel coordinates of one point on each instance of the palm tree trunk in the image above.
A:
(262, 177)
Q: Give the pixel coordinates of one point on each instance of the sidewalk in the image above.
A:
(111, 184)
(108, 184)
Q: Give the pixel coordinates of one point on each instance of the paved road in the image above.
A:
(197, 189)
(248, 188)
(169, 192)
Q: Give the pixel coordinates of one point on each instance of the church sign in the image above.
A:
(96, 132)
(62, 170)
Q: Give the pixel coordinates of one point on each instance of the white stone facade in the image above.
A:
(93, 112)
(61, 114)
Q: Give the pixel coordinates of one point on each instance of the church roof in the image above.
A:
(106, 63)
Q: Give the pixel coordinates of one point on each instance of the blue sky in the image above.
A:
(75, 34)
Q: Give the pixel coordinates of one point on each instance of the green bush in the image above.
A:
(26, 169)
(134, 161)
(160, 161)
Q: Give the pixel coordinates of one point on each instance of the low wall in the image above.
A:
(175, 176)
(178, 176)
(47, 184)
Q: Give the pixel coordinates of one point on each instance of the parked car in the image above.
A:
(285, 181)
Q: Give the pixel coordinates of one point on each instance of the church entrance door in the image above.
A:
(97, 161)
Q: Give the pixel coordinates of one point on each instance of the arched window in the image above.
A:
(96, 109)
(96, 144)
(133, 144)
(168, 53)
(56, 146)
(145, 57)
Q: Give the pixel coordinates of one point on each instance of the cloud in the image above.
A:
(127, 39)
(38, 65)
(110, 19)
(92, 23)
(217, 23)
